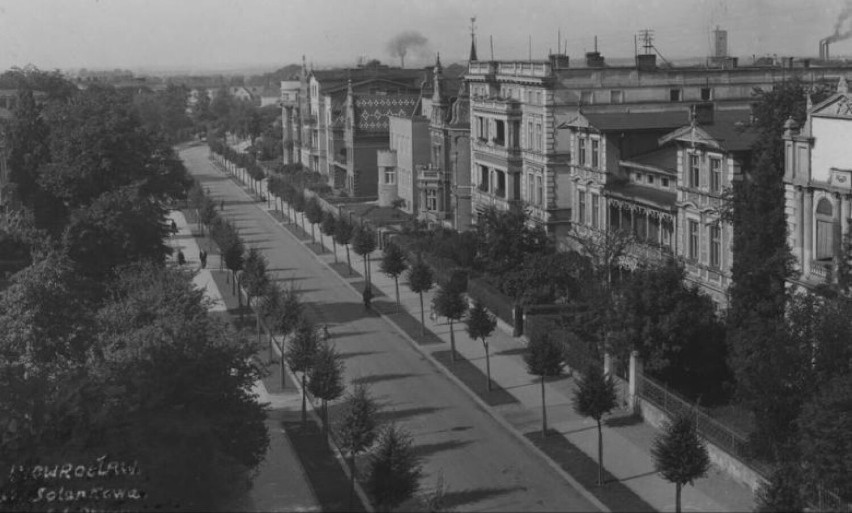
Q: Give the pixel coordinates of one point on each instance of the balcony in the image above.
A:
(309, 120)
(506, 106)
(497, 148)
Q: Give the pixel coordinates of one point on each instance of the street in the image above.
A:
(484, 467)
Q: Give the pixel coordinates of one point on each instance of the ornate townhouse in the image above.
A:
(818, 185)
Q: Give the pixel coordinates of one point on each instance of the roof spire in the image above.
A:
(438, 62)
(472, 40)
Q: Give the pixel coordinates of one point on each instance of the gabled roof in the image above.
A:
(838, 105)
(619, 121)
(662, 160)
(729, 131)
(331, 78)
(360, 85)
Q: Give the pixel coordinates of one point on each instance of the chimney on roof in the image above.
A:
(646, 62)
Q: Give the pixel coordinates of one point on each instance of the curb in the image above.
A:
(496, 416)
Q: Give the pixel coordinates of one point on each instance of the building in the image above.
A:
(818, 186)
(407, 153)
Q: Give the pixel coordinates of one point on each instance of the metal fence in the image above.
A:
(712, 430)
(819, 499)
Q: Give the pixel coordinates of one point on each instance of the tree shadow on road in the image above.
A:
(455, 499)
(389, 415)
(424, 450)
(375, 378)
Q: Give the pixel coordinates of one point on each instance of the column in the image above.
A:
(838, 232)
(808, 226)
(800, 227)
(844, 215)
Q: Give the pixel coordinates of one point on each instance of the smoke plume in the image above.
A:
(401, 43)
(842, 29)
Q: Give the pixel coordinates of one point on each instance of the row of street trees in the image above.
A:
(108, 351)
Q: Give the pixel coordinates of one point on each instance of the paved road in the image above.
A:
(484, 467)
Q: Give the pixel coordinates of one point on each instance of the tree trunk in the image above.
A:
(452, 342)
(677, 497)
(257, 316)
(325, 419)
(366, 276)
(600, 454)
(233, 282)
(422, 317)
(283, 367)
(334, 245)
(304, 400)
(348, 260)
(396, 282)
(543, 410)
(351, 478)
(487, 366)
(313, 238)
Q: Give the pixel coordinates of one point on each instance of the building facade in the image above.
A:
(818, 186)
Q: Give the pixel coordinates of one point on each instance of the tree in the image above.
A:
(419, 281)
(546, 278)
(314, 212)
(395, 470)
(506, 240)
(364, 243)
(325, 378)
(605, 249)
(255, 278)
(480, 325)
(679, 454)
(329, 227)
(782, 492)
(233, 250)
(299, 204)
(544, 358)
(342, 235)
(301, 355)
(594, 397)
(393, 264)
(826, 443)
(450, 302)
(356, 430)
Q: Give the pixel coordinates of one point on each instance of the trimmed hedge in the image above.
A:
(495, 301)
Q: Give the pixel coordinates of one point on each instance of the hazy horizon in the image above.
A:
(213, 36)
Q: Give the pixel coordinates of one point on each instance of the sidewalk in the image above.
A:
(633, 482)
(281, 483)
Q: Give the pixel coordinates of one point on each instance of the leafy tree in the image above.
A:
(480, 325)
(329, 227)
(395, 470)
(826, 443)
(299, 204)
(255, 278)
(420, 280)
(325, 378)
(356, 430)
(233, 252)
(450, 302)
(594, 397)
(679, 454)
(119, 227)
(393, 264)
(782, 492)
(544, 278)
(300, 356)
(343, 235)
(544, 358)
(364, 243)
(314, 212)
(506, 240)
(605, 249)
(26, 139)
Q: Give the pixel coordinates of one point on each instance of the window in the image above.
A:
(595, 153)
(390, 176)
(500, 132)
(500, 185)
(530, 189)
(538, 141)
(483, 178)
(694, 171)
(715, 175)
(665, 182)
(693, 240)
(651, 179)
(529, 135)
(581, 207)
(431, 199)
(616, 96)
(824, 230)
(674, 95)
(587, 97)
(539, 192)
(595, 213)
(581, 153)
(538, 98)
(706, 94)
(715, 247)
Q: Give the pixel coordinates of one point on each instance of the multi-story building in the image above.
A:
(409, 150)
(818, 186)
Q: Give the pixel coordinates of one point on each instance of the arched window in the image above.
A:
(825, 243)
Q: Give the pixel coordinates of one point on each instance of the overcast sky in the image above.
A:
(215, 34)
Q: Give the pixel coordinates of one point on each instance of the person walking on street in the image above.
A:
(202, 255)
(180, 258)
(367, 296)
(174, 228)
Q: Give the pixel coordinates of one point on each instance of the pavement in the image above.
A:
(626, 444)
(281, 483)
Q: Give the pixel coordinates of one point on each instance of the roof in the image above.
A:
(372, 110)
(730, 131)
(618, 121)
(338, 76)
(658, 198)
(662, 160)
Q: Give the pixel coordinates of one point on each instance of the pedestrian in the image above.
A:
(367, 296)
(181, 258)
(202, 255)
(174, 227)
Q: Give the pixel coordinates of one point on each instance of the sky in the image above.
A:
(198, 35)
